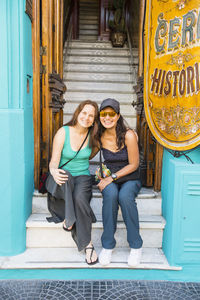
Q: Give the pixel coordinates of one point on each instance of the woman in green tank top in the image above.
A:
(74, 182)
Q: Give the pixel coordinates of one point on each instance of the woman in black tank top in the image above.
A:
(121, 155)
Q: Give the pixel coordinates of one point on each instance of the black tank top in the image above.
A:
(115, 161)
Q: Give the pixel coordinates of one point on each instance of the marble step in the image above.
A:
(99, 44)
(83, 17)
(41, 233)
(88, 32)
(93, 11)
(87, 76)
(88, 37)
(88, 9)
(89, 1)
(78, 96)
(95, 85)
(93, 59)
(101, 52)
(88, 5)
(148, 203)
(98, 67)
(86, 26)
(88, 22)
(63, 258)
(125, 109)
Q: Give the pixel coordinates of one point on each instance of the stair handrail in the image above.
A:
(68, 26)
(133, 71)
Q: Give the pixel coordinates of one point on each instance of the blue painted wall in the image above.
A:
(16, 123)
(181, 207)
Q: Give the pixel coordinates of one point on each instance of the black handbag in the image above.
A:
(48, 177)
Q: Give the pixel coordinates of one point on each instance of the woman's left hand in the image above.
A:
(104, 182)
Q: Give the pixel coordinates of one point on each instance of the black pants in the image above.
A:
(71, 202)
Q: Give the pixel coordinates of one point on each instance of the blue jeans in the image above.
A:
(124, 195)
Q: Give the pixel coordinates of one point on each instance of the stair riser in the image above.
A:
(88, 37)
(57, 237)
(81, 96)
(100, 59)
(88, 6)
(89, 9)
(97, 68)
(99, 52)
(99, 86)
(88, 32)
(131, 121)
(145, 206)
(88, 26)
(97, 76)
(84, 16)
(88, 23)
(103, 45)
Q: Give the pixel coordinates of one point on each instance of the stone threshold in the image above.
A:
(49, 258)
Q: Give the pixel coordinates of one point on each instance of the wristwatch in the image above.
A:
(114, 176)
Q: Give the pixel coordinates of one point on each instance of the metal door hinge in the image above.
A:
(43, 145)
(43, 69)
(43, 50)
(151, 165)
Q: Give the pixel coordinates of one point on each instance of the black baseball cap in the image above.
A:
(109, 102)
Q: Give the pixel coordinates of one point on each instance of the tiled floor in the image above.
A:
(101, 290)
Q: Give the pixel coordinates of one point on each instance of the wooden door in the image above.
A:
(48, 86)
(151, 152)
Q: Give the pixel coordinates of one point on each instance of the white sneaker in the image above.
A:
(105, 256)
(134, 257)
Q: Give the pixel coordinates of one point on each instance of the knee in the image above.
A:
(80, 199)
(124, 200)
(110, 196)
(127, 197)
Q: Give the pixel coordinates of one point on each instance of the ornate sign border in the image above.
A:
(171, 119)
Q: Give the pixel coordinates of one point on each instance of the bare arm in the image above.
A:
(95, 150)
(58, 143)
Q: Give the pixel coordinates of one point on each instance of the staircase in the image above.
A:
(88, 19)
(94, 70)
(49, 246)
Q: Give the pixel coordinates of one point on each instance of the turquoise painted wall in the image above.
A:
(16, 123)
(181, 207)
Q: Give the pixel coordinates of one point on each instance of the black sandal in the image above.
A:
(66, 229)
(92, 262)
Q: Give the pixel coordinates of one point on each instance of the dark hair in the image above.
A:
(94, 127)
(121, 130)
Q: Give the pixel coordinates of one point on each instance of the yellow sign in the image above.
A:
(172, 72)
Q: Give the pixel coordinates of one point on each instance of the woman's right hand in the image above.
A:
(104, 182)
(59, 176)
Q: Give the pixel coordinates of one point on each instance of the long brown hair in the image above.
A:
(94, 127)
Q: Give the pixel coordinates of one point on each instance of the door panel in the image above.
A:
(48, 115)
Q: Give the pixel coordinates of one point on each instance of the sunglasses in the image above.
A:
(111, 114)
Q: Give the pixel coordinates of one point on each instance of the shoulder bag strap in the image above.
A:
(100, 160)
(77, 151)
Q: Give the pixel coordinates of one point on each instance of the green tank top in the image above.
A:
(80, 164)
